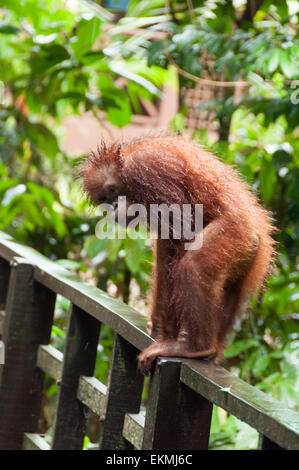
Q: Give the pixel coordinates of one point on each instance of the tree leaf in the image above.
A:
(7, 183)
(134, 254)
(42, 137)
(156, 53)
(96, 246)
(120, 68)
(287, 65)
(281, 158)
(47, 56)
(119, 116)
(261, 364)
(267, 179)
(282, 9)
(8, 29)
(273, 60)
(87, 32)
(240, 346)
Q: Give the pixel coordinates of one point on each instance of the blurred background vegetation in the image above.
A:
(61, 58)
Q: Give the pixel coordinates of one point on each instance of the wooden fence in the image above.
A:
(181, 393)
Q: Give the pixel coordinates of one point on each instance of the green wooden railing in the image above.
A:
(181, 392)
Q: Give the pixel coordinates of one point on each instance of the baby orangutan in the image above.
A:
(197, 293)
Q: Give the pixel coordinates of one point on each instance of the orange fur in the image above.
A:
(197, 294)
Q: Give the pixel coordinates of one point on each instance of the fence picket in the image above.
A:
(79, 359)
(124, 394)
(28, 320)
(176, 417)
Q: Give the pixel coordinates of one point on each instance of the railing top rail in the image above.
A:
(248, 403)
(124, 320)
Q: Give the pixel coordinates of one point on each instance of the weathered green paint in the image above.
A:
(173, 406)
(78, 359)
(196, 384)
(93, 394)
(125, 385)
(28, 319)
(261, 411)
(34, 442)
(49, 360)
(133, 429)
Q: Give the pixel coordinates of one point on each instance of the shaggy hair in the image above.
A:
(204, 289)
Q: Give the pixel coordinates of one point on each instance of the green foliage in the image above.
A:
(53, 62)
(229, 433)
(117, 257)
(56, 61)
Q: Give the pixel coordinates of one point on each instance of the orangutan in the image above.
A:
(197, 293)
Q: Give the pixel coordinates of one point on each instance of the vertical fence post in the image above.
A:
(176, 417)
(161, 409)
(4, 277)
(193, 420)
(266, 444)
(79, 359)
(28, 320)
(124, 394)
